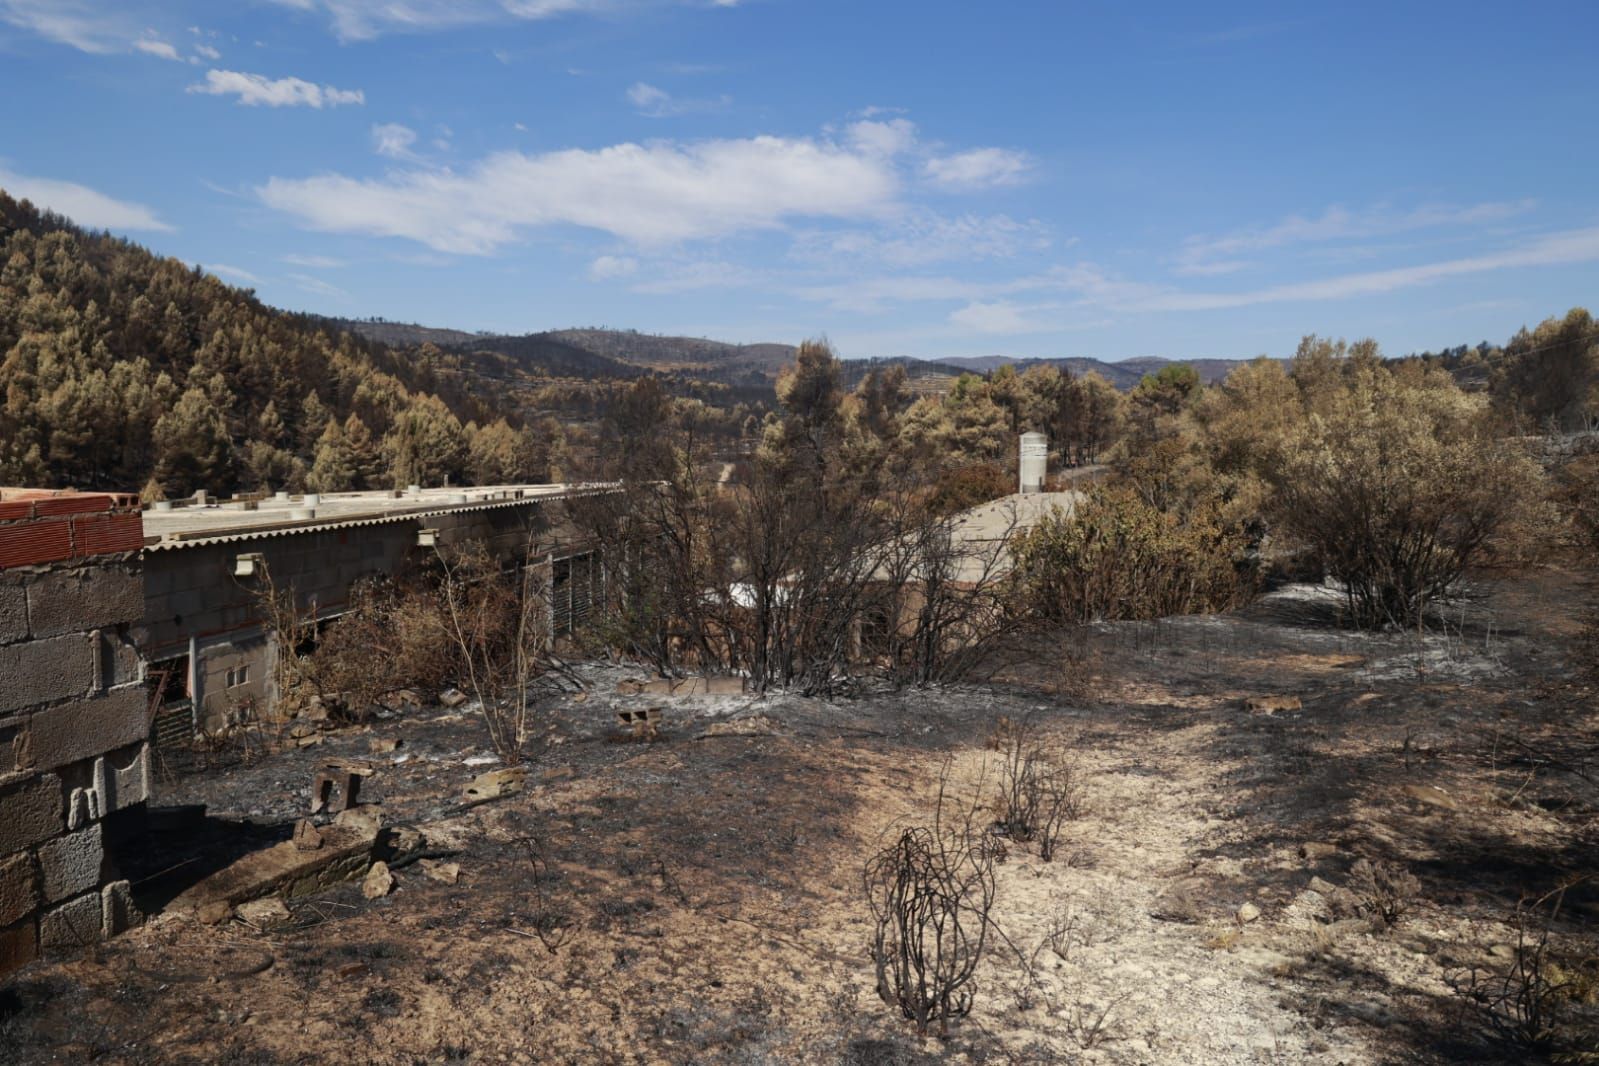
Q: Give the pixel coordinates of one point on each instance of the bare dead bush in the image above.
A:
(930, 894)
(550, 922)
(1384, 891)
(499, 625)
(1039, 789)
(1540, 1000)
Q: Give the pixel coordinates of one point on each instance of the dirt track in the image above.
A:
(704, 890)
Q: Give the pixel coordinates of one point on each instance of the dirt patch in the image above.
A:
(696, 897)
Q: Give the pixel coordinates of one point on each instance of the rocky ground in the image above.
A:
(698, 897)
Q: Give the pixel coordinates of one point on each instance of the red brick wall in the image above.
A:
(39, 526)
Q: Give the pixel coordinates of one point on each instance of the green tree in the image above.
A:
(192, 446)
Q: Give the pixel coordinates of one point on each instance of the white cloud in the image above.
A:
(1209, 256)
(1001, 317)
(83, 205)
(152, 45)
(393, 140)
(222, 270)
(886, 139)
(980, 168)
(607, 267)
(658, 103)
(655, 194)
(688, 275)
(255, 90)
(205, 51)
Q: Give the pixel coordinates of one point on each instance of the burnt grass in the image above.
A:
(696, 897)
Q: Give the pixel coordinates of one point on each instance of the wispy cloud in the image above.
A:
(1212, 255)
(921, 237)
(222, 270)
(315, 262)
(608, 267)
(256, 90)
(1557, 249)
(393, 140)
(980, 168)
(91, 26)
(318, 287)
(359, 20)
(658, 103)
(83, 205)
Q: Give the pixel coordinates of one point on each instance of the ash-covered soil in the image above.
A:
(697, 898)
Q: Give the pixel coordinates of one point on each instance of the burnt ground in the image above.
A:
(698, 898)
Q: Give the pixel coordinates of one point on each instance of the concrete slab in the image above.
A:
(285, 870)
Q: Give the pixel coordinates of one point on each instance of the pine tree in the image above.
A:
(335, 468)
(193, 450)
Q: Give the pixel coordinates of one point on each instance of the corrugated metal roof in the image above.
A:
(195, 539)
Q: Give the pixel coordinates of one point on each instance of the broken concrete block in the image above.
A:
(724, 686)
(71, 864)
(19, 888)
(1271, 704)
(366, 819)
(378, 881)
(214, 912)
(306, 835)
(72, 925)
(495, 784)
(265, 915)
(1431, 796)
(452, 698)
(122, 778)
(118, 912)
(445, 873)
(32, 813)
(383, 745)
(630, 686)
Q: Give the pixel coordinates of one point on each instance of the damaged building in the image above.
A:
(122, 627)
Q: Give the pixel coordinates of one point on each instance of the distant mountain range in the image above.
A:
(609, 353)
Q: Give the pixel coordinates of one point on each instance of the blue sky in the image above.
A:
(929, 178)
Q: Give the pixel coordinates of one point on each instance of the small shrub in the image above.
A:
(1039, 789)
(1384, 891)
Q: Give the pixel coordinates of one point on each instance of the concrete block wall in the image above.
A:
(73, 716)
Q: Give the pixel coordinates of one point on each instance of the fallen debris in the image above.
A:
(264, 915)
(378, 881)
(307, 837)
(445, 873)
(452, 698)
(495, 784)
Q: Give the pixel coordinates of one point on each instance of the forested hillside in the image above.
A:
(122, 370)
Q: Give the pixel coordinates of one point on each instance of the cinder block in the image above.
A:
(120, 662)
(19, 888)
(39, 671)
(74, 924)
(84, 597)
(13, 613)
(71, 864)
(32, 813)
(19, 945)
(122, 778)
(14, 745)
(118, 913)
(85, 728)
